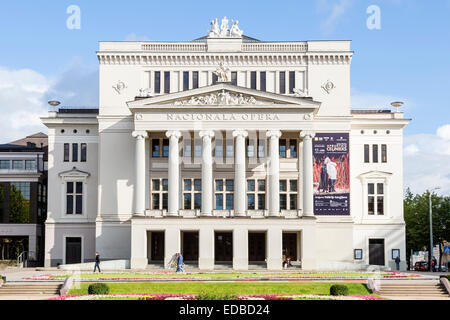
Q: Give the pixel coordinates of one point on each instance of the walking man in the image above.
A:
(97, 262)
(180, 263)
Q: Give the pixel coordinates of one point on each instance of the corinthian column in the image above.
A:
(174, 173)
(274, 172)
(207, 173)
(139, 172)
(308, 188)
(239, 173)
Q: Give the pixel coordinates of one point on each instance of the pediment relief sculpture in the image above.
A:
(220, 98)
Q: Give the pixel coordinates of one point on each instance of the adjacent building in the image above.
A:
(23, 198)
(234, 151)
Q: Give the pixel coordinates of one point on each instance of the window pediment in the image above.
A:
(74, 173)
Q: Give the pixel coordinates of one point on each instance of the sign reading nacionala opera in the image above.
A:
(331, 174)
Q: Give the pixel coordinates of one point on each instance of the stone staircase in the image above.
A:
(413, 290)
(25, 291)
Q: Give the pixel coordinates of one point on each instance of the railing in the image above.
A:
(174, 47)
(274, 47)
(24, 257)
(293, 214)
(246, 47)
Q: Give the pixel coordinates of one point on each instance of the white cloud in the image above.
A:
(334, 10)
(427, 161)
(24, 94)
(444, 132)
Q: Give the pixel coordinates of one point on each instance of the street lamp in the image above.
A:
(431, 230)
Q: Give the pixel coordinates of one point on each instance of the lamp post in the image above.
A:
(430, 256)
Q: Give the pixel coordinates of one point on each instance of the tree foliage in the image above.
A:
(417, 218)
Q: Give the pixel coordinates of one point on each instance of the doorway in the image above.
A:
(189, 246)
(156, 246)
(223, 247)
(376, 252)
(257, 246)
(73, 250)
(290, 245)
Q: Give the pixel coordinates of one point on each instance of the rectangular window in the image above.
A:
(214, 78)
(165, 202)
(66, 152)
(155, 203)
(187, 201)
(282, 148)
(250, 148)
(253, 80)
(262, 81)
(251, 185)
(74, 152)
(371, 198)
(282, 82)
(375, 153)
(219, 185)
(185, 80)
(291, 81)
(195, 79)
(167, 82)
(283, 185)
(74, 198)
(261, 149)
(156, 185)
(283, 202)
(187, 147)
(230, 149)
(197, 201)
(293, 148)
(17, 165)
(5, 164)
(261, 201)
(251, 201)
(198, 148)
(292, 202)
(156, 149)
(219, 201)
(219, 149)
(187, 185)
(165, 148)
(229, 185)
(197, 185)
(383, 153)
(366, 153)
(30, 164)
(234, 78)
(157, 81)
(229, 201)
(83, 152)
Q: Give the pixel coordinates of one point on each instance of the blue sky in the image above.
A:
(408, 59)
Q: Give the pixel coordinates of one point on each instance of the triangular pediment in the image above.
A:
(223, 94)
(74, 173)
(375, 174)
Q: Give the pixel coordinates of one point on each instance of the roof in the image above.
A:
(78, 110)
(371, 111)
(244, 39)
(36, 140)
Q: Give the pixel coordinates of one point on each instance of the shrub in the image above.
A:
(98, 288)
(339, 290)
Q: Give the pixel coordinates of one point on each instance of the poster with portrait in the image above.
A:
(331, 174)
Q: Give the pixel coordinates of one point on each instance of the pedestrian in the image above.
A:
(397, 263)
(433, 264)
(97, 262)
(180, 262)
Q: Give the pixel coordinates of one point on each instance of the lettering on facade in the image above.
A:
(223, 117)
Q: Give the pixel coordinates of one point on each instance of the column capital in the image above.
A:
(140, 134)
(307, 134)
(240, 133)
(206, 134)
(274, 134)
(173, 134)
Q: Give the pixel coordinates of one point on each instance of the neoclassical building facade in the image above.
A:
(236, 152)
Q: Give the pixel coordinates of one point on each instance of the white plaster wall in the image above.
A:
(113, 240)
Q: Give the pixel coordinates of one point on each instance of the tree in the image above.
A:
(416, 211)
(19, 207)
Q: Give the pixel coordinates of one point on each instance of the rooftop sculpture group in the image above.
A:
(224, 31)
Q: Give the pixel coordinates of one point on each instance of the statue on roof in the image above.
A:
(224, 31)
(222, 73)
(235, 31)
(215, 30)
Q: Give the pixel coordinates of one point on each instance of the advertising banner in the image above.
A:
(331, 174)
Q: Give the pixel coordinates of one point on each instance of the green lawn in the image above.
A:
(214, 275)
(355, 289)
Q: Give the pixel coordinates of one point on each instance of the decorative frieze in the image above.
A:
(220, 98)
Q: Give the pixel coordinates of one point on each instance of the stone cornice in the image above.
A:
(229, 59)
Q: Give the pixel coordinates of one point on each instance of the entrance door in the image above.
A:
(257, 247)
(157, 246)
(290, 245)
(73, 250)
(190, 246)
(224, 246)
(376, 252)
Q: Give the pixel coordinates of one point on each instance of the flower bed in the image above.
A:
(163, 296)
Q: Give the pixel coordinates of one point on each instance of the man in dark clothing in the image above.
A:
(97, 262)
(397, 263)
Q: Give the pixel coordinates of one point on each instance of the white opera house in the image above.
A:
(237, 153)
